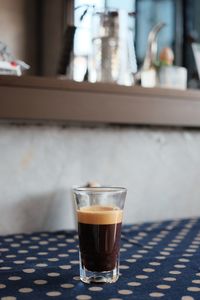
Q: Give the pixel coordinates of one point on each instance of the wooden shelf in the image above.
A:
(50, 99)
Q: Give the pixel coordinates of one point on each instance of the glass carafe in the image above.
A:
(113, 55)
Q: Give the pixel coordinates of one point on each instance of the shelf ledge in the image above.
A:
(51, 99)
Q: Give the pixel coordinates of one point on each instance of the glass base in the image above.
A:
(99, 277)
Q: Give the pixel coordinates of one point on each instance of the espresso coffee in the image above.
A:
(99, 230)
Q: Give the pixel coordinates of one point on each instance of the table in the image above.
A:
(158, 260)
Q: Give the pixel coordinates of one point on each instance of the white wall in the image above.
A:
(40, 164)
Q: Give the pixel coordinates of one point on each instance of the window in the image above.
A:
(182, 27)
(150, 12)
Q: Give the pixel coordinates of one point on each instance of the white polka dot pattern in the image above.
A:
(40, 281)
(155, 259)
(125, 292)
(14, 278)
(2, 286)
(96, 288)
(83, 297)
(156, 295)
(8, 298)
(67, 285)
(54, 294)
(25, 290)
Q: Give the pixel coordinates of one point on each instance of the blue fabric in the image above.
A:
(158, 260)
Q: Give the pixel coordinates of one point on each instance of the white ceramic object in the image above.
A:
(149, 78)
(173, 77)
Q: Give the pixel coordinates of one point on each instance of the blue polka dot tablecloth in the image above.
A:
(158, 260)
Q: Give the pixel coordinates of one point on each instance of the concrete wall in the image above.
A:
(40, 164)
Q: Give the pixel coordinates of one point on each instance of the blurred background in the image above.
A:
(40, 162)
(34, 30)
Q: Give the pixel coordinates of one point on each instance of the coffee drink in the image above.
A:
(99, 230)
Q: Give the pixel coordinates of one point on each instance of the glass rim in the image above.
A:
(101, 189)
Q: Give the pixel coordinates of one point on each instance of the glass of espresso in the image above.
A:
(99, 216)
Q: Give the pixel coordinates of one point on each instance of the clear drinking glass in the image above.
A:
(99, 216)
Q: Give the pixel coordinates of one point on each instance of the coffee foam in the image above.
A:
(97, 214)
